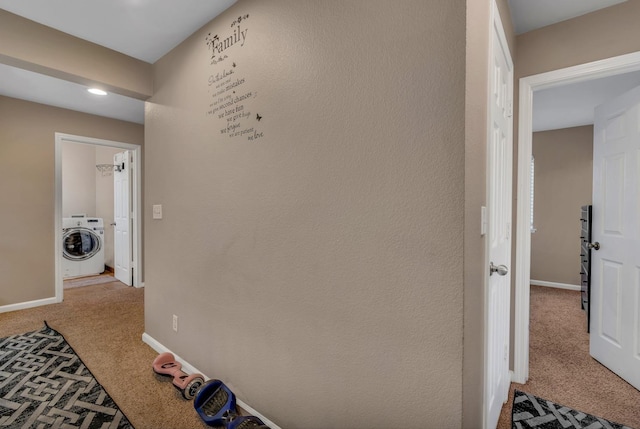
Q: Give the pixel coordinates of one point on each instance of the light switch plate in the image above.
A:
(157, 211)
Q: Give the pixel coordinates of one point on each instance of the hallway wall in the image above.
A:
(78, 179)
(312, 248)
(604, 33)
(27, 136)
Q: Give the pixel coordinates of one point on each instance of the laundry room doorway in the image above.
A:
(87, 204)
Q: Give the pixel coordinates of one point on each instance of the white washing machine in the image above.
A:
(82, 246)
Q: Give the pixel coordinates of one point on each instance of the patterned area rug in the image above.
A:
(532, 412)
(44, 384)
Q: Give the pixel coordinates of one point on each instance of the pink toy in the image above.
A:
(188, 385)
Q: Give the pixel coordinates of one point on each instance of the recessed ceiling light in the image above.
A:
(97, 91)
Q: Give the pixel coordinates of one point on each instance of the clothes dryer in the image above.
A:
(82, 246)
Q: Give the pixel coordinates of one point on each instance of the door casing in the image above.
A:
(527, 86)
(136, 205)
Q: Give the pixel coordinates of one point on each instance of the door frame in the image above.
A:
(136, 205)
(527, 86)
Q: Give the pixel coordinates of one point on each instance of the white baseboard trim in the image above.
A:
(555, 285)
(154, 344)
(29, 304)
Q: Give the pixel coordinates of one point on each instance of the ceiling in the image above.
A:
(148, 29)
(528, 15)
(572, 105)
(143, 29)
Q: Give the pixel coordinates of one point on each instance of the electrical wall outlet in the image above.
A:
(175, 323)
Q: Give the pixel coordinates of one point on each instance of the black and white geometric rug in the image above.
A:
(43, 384)
(532, 412)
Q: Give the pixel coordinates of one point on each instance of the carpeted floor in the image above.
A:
(560, 368)
(104, 325)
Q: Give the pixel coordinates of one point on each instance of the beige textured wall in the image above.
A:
(563, 175)
(78, 179)
(602, 34)
(27, 190)
(316, 269)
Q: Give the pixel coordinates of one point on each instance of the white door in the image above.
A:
(615, 266)
(122, 217)
(497, 304)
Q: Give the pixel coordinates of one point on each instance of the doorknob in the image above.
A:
(502, 270)
(113, 224)
(594, 246)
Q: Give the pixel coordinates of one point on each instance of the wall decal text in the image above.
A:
(230, 100)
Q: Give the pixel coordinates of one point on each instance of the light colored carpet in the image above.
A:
(560, 367)
(104, 325)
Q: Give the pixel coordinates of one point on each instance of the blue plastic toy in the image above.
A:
(216, 405)
(247, 422)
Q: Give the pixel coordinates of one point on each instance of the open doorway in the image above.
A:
(563, 175)
(599, 69)
(74, 206)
